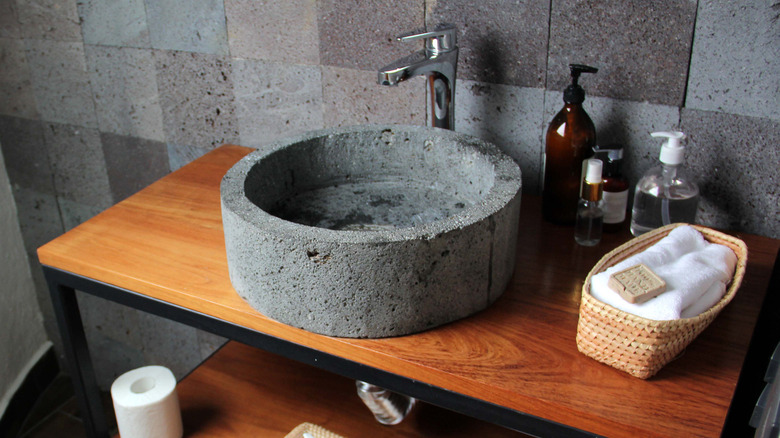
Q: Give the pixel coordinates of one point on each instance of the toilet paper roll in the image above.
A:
(146, 404)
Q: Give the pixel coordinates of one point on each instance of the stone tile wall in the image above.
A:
(98, 99)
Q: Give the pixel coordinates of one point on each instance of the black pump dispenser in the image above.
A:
(570, 139)
(574, 93)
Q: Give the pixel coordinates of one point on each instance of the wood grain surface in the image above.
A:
(245, 392)
(167, 242)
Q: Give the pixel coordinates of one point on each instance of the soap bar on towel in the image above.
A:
(637, 284)
(696, 273)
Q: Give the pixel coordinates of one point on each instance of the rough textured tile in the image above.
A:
(501, 41)
(510, 117)
(113, 23)
(276, 100)
(49, 19)
(60, 82)
(363, 35)
(9, 24)
(47, 309)
(132, 163)
(628, 123)
(124, 86)
(209, 343)
(78, 165)
(114, 337)
(197, 99)
(735, 67)
(39, 217)
(16, 95)
(272, 30)
(169, 344)
(193, 26)
(734, 160)
(178, 155)
(642, 49)
(352, 97)
(75, 213)
(26, 155)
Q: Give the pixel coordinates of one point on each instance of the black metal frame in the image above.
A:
(63, 286)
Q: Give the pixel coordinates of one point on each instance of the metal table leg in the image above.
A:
(77, 354)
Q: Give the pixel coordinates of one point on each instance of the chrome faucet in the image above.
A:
(439, 63)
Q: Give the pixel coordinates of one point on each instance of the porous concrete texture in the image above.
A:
(267, 30)
(737, 45)
(501, 41)
(275, 100)
(121, 24)
(372, 231)
(507, 117)
(124, 86)
(641, 48)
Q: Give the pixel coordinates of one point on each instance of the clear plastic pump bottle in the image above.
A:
(665, 195)
(590, 209)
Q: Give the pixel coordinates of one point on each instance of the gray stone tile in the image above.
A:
(78, 165)
(39, 217)
(192, 26)
(363, 35)
(114, 23)
(352, 97)
(49, 19)
(44, 303)
(124, 86)
(641, 49)
(178, 155)
(276, 100)
(735, 67)
(501, 41)
(209, 343)
(508, 116)
(132, 163)
(114, 337)
(734, 160)
(283, 31)
(9, 23)
(196, 96)
(169, 344)
(76, 213)
(628, 123)
(60, 82)
(26, 154)
(16, 95)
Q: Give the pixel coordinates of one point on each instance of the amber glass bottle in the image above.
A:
(570, 140)
(615, 186)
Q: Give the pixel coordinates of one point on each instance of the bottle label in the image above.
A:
(615, 204)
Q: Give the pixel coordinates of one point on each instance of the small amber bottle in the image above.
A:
(615, 186)
(570, 140)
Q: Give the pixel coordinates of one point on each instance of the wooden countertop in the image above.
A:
(166, 242)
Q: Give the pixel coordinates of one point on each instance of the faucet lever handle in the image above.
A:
(443, 39)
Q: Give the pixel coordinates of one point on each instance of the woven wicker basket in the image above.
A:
(636, 345)
(304, 430)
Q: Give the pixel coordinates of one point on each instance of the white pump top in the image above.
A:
(672, 151)
(593, 171)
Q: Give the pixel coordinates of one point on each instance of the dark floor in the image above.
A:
(55, 414)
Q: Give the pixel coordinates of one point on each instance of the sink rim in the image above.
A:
(507, 182)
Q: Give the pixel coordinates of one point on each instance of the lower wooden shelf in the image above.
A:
(244, 391)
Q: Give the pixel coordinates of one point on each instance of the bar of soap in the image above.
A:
(637, 284)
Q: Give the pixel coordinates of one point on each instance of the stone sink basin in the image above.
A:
(372, 231)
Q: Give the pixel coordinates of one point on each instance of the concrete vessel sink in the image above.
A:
(371, 231)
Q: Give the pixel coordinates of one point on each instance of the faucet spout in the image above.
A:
(438, 62)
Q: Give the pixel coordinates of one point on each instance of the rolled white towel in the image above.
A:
(695, 271)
